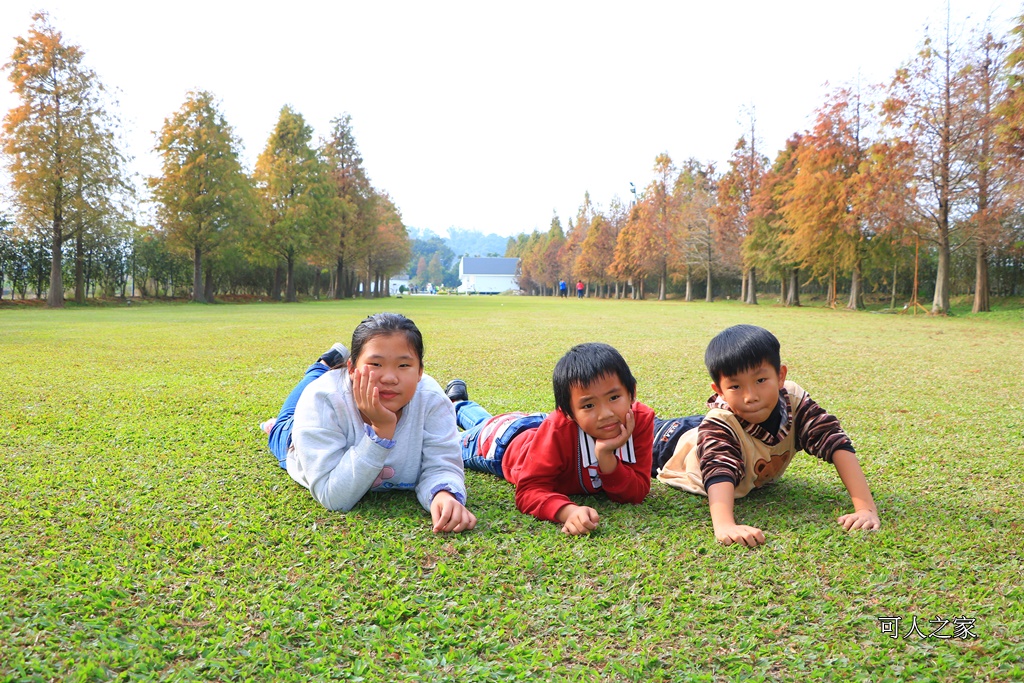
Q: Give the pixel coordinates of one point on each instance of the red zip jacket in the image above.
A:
(546, 466)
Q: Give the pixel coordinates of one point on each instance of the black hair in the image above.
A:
(582, 365)
(381, 324)
(740, 348)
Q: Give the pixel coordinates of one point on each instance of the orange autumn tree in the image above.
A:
(766, 245)
(694, 203)
(999, 173)
(823, 206)
(931, 105)
(573, 245)
(597, 253)
(649, 243)
(61, 146)
(733, 213)
(628, 262)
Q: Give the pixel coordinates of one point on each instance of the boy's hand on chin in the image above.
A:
(625, 431)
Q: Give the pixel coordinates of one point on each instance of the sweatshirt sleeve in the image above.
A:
(339, 465)
(441, 468)
(718, 452)
(631, 482)
(817, 431)
(546, 457)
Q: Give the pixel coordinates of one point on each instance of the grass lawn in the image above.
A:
(146, 534)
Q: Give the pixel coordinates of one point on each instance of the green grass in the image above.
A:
(145, 533)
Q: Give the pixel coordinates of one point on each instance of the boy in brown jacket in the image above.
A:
(756, 421)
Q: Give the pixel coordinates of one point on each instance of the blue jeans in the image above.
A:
(666, 435)
(472, 417)
(281, 434)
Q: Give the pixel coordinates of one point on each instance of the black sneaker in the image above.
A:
(336, 356)
(456, 391)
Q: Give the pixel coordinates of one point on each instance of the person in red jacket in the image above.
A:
(598, 439)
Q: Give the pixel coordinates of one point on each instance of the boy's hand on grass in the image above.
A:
(578, 519)
(861, 519)
(739, 533)
(448, 514)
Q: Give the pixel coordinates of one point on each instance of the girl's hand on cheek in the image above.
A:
(367, 399)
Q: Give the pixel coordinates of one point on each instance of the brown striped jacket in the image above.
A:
(727, 446)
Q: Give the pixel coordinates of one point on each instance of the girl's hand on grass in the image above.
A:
(367, 398)
(578, 520)
(861, 519)
(741, 534)
(448, 514)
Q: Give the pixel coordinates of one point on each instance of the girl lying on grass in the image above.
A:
(374, 422)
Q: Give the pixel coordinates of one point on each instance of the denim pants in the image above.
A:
(666, 435)
(280, 438)
(472, 417)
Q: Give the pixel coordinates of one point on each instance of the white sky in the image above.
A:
(489, 116)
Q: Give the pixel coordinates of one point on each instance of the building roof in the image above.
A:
(484, 265)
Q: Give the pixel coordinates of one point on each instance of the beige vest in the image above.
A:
(762, 464)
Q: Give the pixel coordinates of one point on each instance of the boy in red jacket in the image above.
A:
(598, 439)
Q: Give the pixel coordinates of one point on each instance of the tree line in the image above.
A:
(306, 209)
(915, 181)
(911, 185)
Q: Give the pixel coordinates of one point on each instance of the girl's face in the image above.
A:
(395, 366)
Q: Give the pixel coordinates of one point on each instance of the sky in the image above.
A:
(495, 116)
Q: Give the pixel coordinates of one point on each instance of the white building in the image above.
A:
(397, 282)
(487, 275)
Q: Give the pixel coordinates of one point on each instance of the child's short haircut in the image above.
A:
(740, 348)
(582, 365)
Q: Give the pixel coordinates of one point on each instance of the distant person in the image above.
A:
(579, 289)
(597, 440)
(756, 421)
(373, 421)
(563, 289)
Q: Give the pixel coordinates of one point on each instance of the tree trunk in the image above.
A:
(940, 302)
(79, 267)
(316, 283)
(275, 287)
(856, 299)
(689, 285)
(708, 294)
(55, 297)
(743, 287)
(339, 282)
(208, 285)
(197, 276)
(981, 304)
(752, 287)
(290, 294)
(662, 277)
(892, 296)
(793, 298)
(782, 290)
(89, 282)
